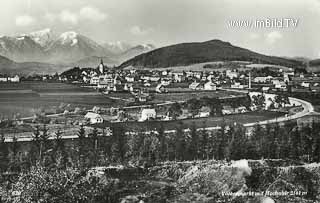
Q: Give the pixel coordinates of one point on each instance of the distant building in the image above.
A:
(3, 79)
(15, 79)
(94, 118)
(94, 80)
(147, 114)
(227, 110)
(237, 85)
(280, 85)
(210, 86)
(231, 74)
(262, 79)
(195, 85)
(10, 79)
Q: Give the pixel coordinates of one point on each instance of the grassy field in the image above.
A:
(203, 122)
(27, 97)
(184, 96)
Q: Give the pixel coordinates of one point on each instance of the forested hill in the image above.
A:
(199, 52)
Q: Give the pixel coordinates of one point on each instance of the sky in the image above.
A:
(166, 22)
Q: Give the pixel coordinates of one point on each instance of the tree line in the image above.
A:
(148, 147)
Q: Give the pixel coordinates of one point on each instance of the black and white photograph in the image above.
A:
(160, 101)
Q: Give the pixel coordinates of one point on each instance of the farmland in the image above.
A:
(249, 117)
(27, 97)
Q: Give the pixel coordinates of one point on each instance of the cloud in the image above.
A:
(68, 17)
(93, 14)
(50, 17)
(254, 36)
(24, 20)
(272, 37)
(85, 13)
(136, 30)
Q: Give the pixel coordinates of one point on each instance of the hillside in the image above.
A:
(93, 61)
(10, 67)
(314, 65)
(200, 52)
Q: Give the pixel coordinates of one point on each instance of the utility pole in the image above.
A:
(249, 80)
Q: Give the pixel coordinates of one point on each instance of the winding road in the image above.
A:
(307, 109)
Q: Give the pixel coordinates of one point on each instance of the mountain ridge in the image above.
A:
(198, 52)
(68, 47)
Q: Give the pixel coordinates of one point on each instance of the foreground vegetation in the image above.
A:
(137, 165)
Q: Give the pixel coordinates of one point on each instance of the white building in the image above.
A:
(94, 80)
(305, 84)
(231, 74)
(195, 85)
(210, 86)
(129, 79)
(15, 79)
(94, 118)
(237, 85)
(147, 114)
(3, 79)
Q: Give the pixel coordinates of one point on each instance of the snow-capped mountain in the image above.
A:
(43, 37)
(71, 46)
(21, 48)
(67, 48)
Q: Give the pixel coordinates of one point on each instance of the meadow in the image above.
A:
(26, 98)
(249, 117)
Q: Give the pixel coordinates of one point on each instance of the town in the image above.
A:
(143, 92)
(171, 101)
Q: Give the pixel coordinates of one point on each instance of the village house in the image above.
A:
(3, 79)
(194, 86)
(154, 79)
(129, 78)
(161, 88)
(93, 118)
(237, 85)
(210, 86)
(262, 79)
(94, 80)
(147, 114)
(280, 85)
(203, 112)
(10, 79)
(231, 74)
(226, 110)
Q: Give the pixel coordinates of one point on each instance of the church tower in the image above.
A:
(101, 67)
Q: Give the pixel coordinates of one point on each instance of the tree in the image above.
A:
(204, 149)
(175, 110)
(194, 106)
(119, 141)
(180, 143)
(14, 163)
(34, 154)
(259, 101)
(45, 147)
(94, 147)
(163, 151)
(295, 146)
(59, 151)
(194, 143)
(259, 139)
(240, 146)
(221, 142)
(82, 147)
(4, 153)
